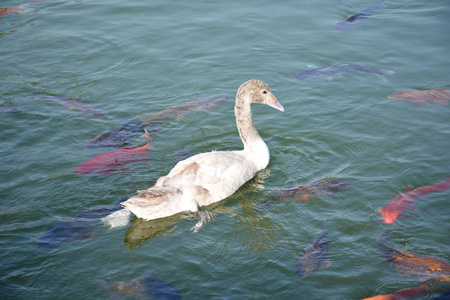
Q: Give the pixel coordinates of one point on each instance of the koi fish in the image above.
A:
(302, 192)
(76, 228)
(410, 293)
(394, 208)
(120, 135)
(113, 160)
(412, 264)
(329, 72)
(315, 256)
(7, 11)
(74, 104)
(421, 97)
(147, 287)
(357, 19)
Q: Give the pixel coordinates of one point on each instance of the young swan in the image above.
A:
(210, 177)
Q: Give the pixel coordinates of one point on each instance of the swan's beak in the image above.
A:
(275, 104)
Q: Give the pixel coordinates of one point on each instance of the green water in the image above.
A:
(137, 57)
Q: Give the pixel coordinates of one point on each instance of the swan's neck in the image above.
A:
(253, 143)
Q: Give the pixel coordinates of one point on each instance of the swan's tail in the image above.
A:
(117, 219)
(159, 202)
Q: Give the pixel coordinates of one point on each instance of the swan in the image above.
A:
(209, 177)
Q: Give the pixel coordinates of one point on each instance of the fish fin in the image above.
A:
(408, 190)
(443, 102)
(412, 207)
(420, 102)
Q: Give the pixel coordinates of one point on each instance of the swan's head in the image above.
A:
(257, 91)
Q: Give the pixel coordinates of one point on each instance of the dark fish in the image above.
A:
(10, 109)
(76, 228)
(412, 264)
(119, 136)
(76, 105)
(329, 72)
(421, 97)
(302, 192)
(147, 287)
(443, 296)
(357, 19)
(315, 256)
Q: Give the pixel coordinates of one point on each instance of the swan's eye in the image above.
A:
(264, 92)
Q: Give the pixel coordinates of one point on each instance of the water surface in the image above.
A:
(132, 58)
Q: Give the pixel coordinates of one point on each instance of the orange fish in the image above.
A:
(404, 294)
(413, 264)
(421, 97)
(7, 11)
(113, 160)
(394, 209)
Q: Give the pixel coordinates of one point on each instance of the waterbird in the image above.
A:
(395, 207)
(357, 19)
(114, 160)
(314, 257)
(209, 177)
(421, 97)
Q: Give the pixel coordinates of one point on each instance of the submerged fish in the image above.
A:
(302, 192)
(147, 287)
(405, 294)
(114, 160)
(328, 72)
(76, 228)
(315, 256)
(357, 19)
(421, 97)
(10, 109)
(7, 11)
(412, 264)
(395, 208)
(119, 136)
(74, 104)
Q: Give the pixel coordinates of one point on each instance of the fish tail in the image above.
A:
(442, 186)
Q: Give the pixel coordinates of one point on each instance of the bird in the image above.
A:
(210, 177)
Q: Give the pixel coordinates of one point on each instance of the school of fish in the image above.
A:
(314, 257)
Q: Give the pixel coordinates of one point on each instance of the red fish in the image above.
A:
(404, 294)
(7, 11)
(394, 209)
(420, 97)
(113, 160)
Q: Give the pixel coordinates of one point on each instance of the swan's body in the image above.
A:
(210, 177)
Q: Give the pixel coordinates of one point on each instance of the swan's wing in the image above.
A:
(220, 173)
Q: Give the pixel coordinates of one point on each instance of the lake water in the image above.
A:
(133, 58)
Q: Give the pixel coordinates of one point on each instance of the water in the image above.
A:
(132, 58)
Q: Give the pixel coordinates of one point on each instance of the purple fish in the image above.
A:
(329, 72)
(74, 104)
(357, 19)
(77, 228)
